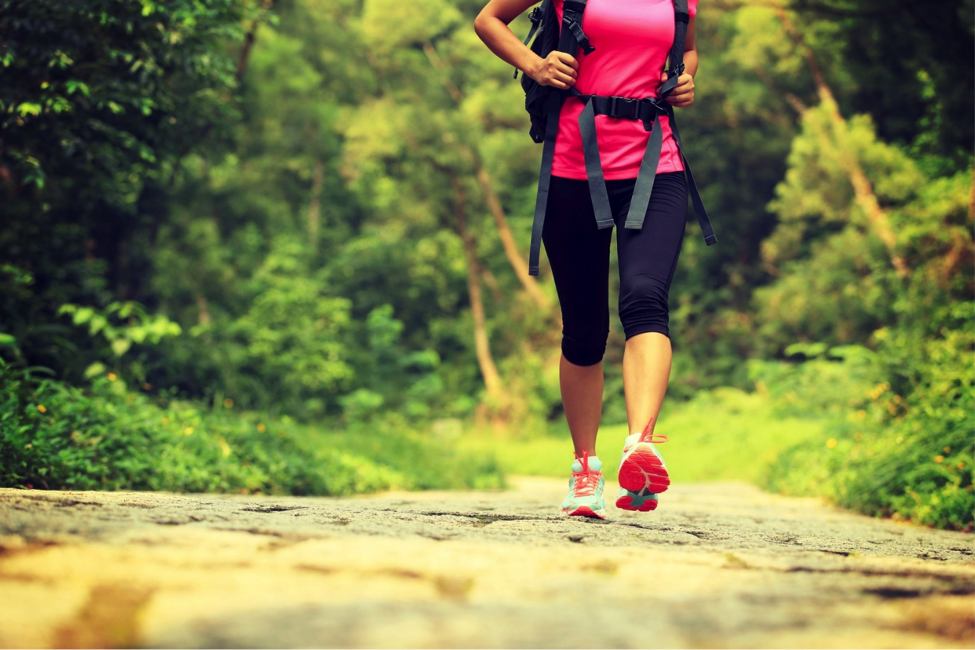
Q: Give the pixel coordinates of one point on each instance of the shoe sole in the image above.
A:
(584, 511)
(626, 503)
(643, 469)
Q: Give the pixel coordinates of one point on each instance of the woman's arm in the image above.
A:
(558, 69)
(683, 94)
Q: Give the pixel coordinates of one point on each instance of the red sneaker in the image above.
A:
(642, 470)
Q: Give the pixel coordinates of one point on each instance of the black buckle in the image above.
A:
(581, 39)
(536, 15)
(682, 16)
(623, 107)
(657, 105)
(573, 7)
(650, 107)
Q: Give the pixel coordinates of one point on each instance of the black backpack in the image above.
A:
(544, 103)
(544, 21)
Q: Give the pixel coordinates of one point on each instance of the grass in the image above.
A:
(725, 434)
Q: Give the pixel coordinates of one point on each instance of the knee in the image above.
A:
(643, 306)
(584, 348)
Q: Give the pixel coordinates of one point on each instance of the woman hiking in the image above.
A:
(628, 44)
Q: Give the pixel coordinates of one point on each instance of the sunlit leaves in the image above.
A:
(70, 64)
(390, 25)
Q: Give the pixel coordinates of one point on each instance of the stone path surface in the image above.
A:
(717, 565)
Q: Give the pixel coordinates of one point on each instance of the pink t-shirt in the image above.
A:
(632, 40)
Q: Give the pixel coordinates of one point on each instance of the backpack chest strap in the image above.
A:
(648, 110)
(644, 109)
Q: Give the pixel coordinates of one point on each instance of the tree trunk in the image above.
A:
(960, 255)
(482, 347)
(249, 37)
(203, 309)
(518, 263)
(493, 285)
(437, 62)
(862, 189)
(314, 207)
(971, 204)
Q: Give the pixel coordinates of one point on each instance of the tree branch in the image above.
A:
(862, 188)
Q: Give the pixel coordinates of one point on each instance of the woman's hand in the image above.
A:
(683, 94)
(558, 69)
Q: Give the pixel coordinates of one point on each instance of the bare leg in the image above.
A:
(646, 371)
(582, 399)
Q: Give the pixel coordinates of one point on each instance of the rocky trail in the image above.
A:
(717, 565)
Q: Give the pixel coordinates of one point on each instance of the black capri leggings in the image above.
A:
(579, 255)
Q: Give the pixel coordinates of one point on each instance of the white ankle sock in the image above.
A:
(594, 463)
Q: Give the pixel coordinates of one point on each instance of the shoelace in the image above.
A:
(584, 483)
(649, 436)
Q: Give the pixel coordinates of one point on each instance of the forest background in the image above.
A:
(281, 247)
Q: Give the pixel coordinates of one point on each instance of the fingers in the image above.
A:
(565, 63)
(560, 81)
(680, 99)
(560, 70)
(683, 81)
(567, 79)
(567, 59)
(683, 93)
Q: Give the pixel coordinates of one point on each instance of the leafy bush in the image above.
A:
(57, 436)
(900, 447)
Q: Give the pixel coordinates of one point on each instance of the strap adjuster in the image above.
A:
(580, 36)
(573, 6)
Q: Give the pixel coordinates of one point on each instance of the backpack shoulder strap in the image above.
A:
(571, 37)
(572, 12)
(675, 64)
(535, 17)
(651, 157)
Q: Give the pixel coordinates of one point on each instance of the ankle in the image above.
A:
(593, 462)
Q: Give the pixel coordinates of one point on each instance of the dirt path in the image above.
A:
(720, 565)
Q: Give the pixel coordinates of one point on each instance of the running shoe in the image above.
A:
(636, 501)
(642, 470)
(585, 498)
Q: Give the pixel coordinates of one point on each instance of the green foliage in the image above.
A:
(839, 293)
(135, 327)
(101, 99)
(223, 201)
(880, 452)
(902, 445)
(108, 86)
(896, 47)
(292, 334)
(63, 437)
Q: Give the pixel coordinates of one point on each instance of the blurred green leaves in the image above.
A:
(282, 185)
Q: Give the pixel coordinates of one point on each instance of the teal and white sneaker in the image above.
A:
(585, 498)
